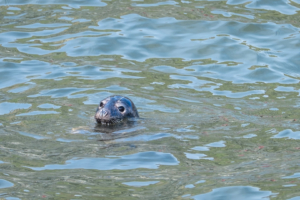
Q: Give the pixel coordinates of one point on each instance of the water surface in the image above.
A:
(216, 84)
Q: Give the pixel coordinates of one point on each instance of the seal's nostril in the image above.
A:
(103, 113)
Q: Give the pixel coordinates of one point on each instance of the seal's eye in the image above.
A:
(101, 104)
(121, 108)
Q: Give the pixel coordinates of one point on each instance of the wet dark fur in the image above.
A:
(115, 109)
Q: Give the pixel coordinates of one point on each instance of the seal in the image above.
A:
(115, 109)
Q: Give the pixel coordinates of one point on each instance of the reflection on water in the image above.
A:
(140, 184)
(288, 133)
(235, 192)
(38, 113)
(5, 184)
(149, 160)
(296, 175)
(294, 198)
(216, 84)
(7, 107)
(74, 4)
(197, 156)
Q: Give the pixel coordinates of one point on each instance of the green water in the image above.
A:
(216, 84)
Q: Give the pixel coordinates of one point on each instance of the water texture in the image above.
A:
(216, 84)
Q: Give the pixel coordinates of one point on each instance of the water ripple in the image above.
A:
(282, 6)
(5, 184)
(148, 160)
(209, 78)
(7, 107)
(235, 192)
(288, 133)
(74, 4)
(140, 184)
(34, 69)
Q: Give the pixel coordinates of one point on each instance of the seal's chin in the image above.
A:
(112, 121)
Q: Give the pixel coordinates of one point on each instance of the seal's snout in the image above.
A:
(103, 112)
(115, 109)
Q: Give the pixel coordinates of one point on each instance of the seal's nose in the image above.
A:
(103, 113)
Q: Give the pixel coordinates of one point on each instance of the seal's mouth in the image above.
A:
(107, 122)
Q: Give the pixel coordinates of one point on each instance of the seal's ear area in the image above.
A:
(126, 101)
(134, 112)
(131, 111)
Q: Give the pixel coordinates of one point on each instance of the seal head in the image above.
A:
(115, 109)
